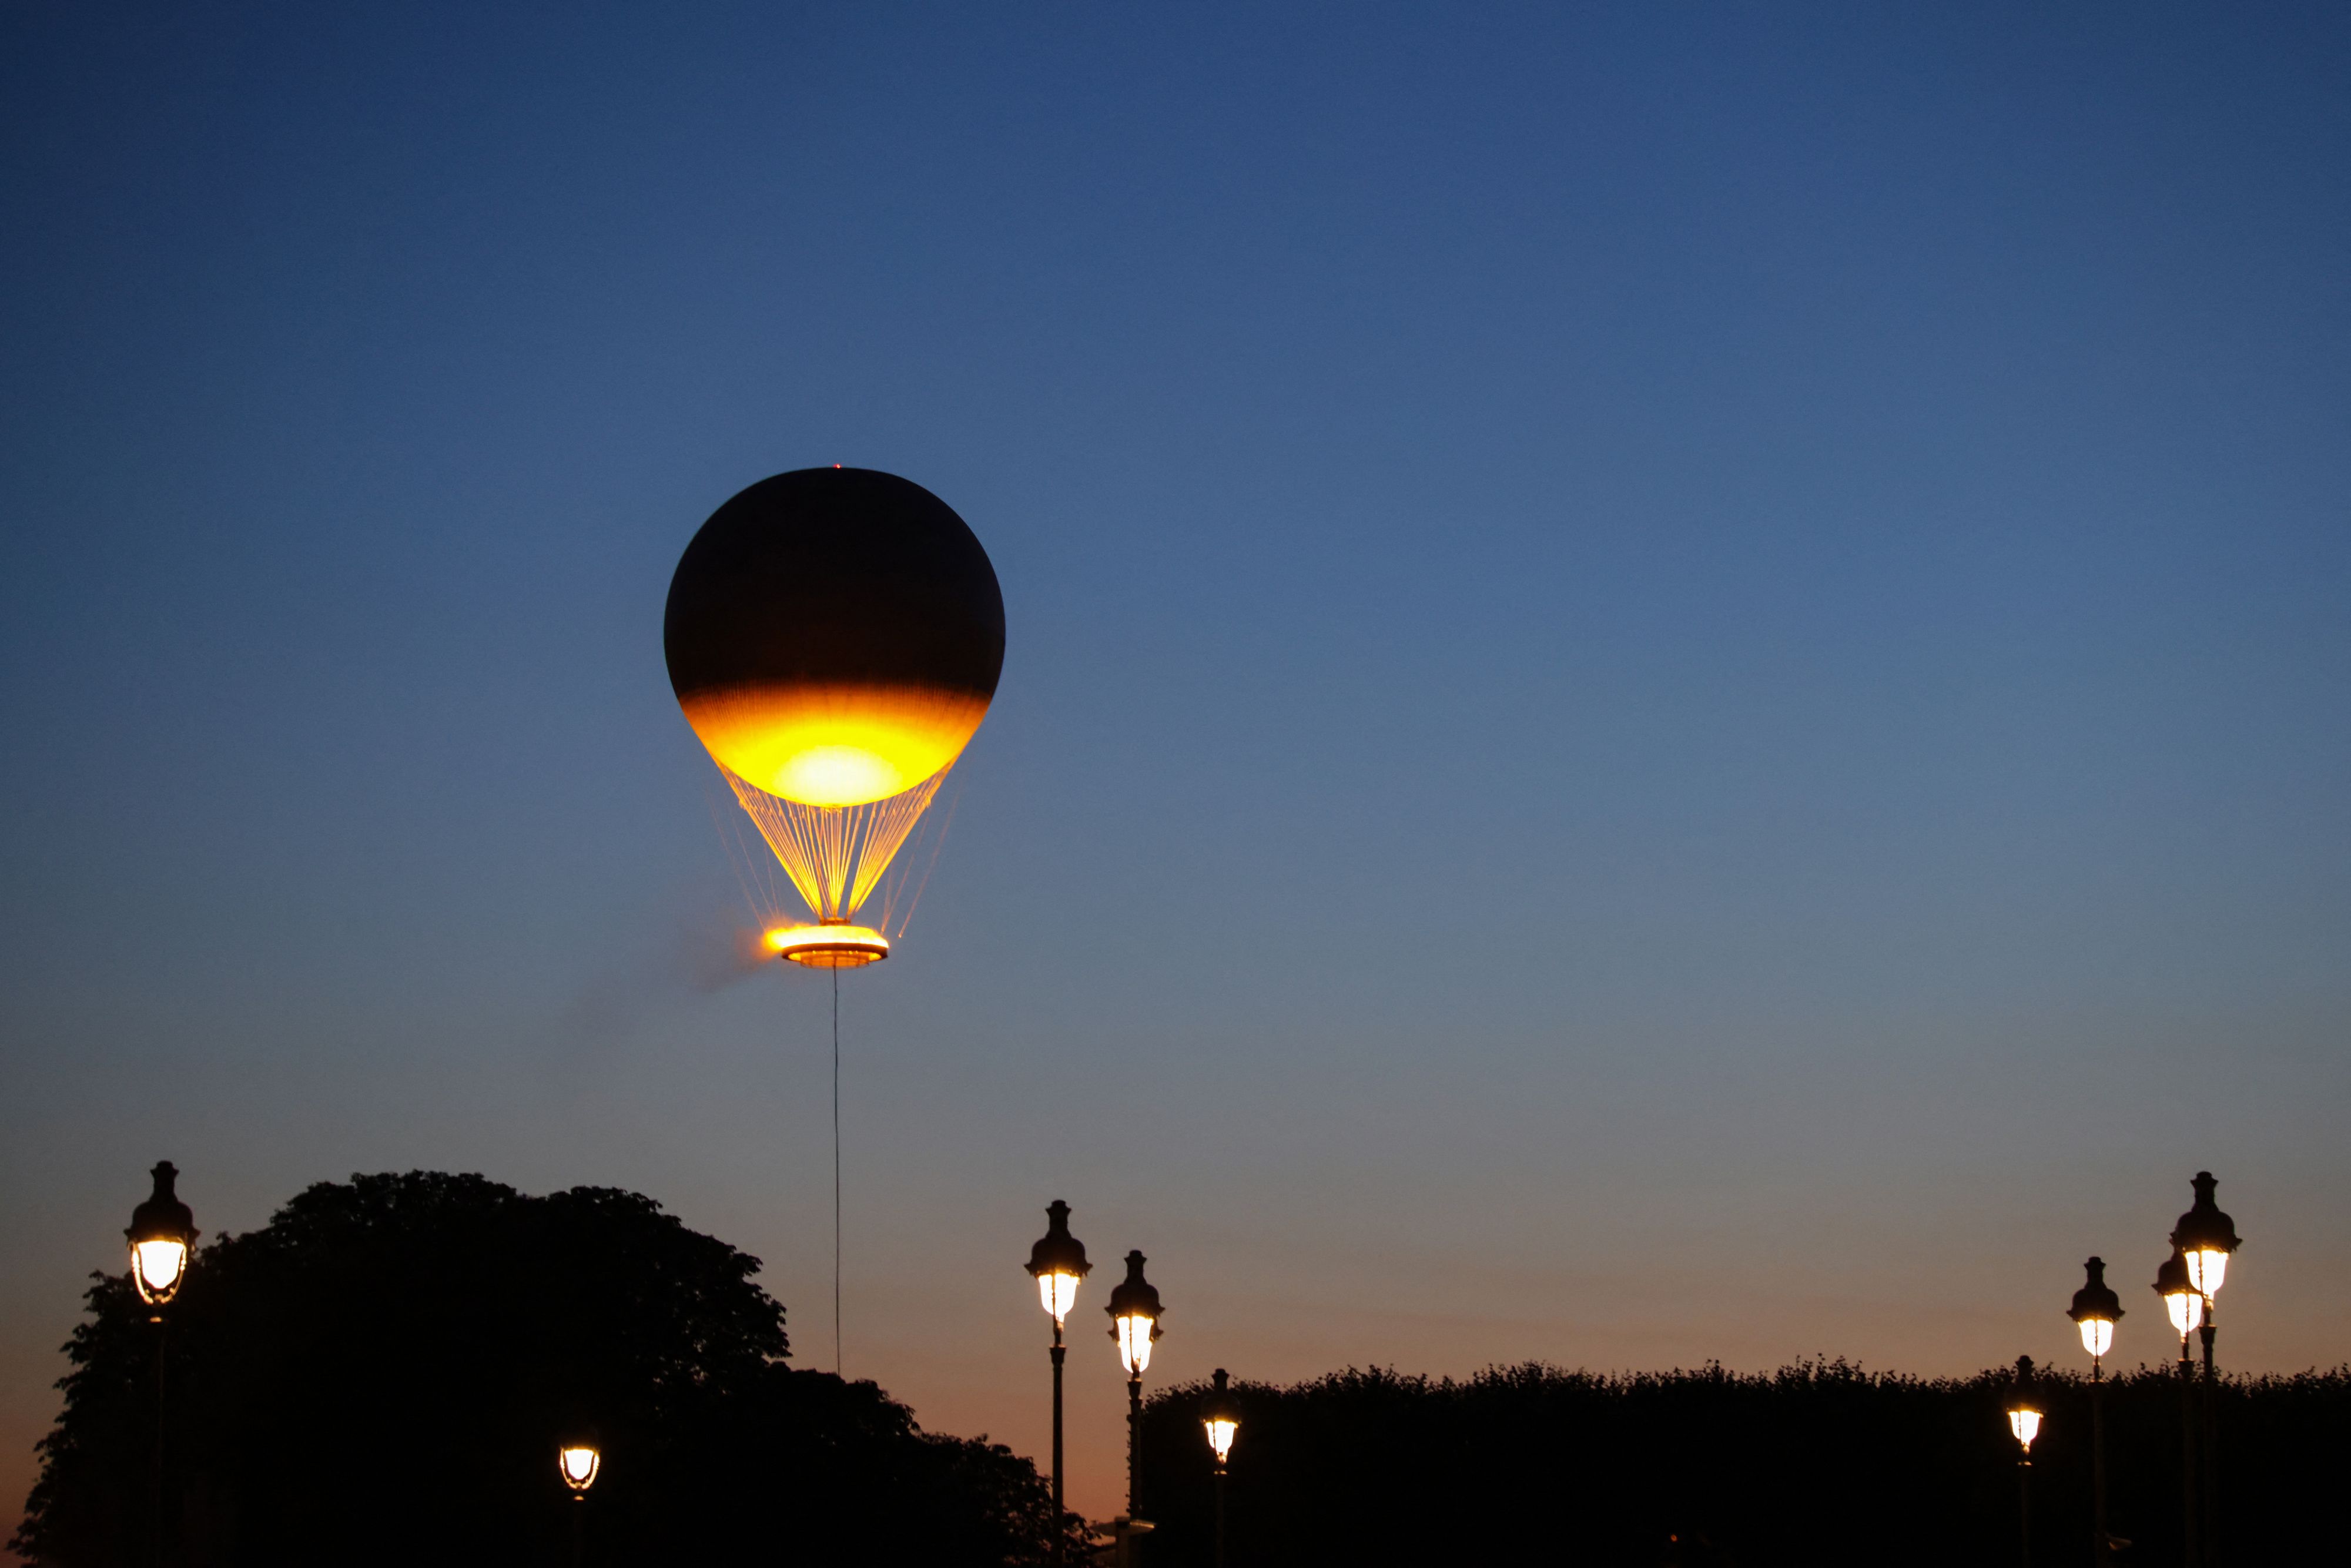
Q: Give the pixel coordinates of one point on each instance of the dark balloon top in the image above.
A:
(834, 576)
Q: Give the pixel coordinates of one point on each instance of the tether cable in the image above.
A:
(836, 1172)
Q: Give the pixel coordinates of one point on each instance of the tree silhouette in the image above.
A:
(380, 1373)
(1818, 1464)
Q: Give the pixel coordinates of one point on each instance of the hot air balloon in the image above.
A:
(835, 636)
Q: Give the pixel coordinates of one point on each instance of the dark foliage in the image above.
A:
(380, 1376)
(1820, 1464)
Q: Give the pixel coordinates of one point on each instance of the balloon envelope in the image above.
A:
(834, 635)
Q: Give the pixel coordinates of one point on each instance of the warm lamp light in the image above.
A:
(1058, 1292)
(1221, 1416)
(579, 1460)
(2180, 1300)
(161, 1232)
(156, 1267)
(1135, 1333)
(2024, 1424)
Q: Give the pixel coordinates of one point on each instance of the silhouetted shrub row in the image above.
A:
(1820, 1463)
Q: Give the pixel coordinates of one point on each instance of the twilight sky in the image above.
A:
(1676, 677)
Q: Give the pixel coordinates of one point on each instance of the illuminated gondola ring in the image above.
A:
(829, 947)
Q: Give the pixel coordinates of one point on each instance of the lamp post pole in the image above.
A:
(1220, 1513)
(1133, 1440)
(163, 1345)
(2100, 1544)
(2186, 1309)
(161, 1234)
(2024, 1510)
(1060, 1353)
(2207, 1238)
(1057, 1262)
(2211, 1425)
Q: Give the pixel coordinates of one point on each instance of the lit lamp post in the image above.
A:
(2186, 1310)
(2024, 1425)
(578, 1458)
(1134, 1323)
(2207, 1238)
(1057, 1263)
(161, 1233)
(1220, 1414)
(2095, 1307)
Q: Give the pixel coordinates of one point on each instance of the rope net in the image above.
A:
(835, 854)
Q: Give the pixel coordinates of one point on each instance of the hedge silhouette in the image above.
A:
(1816, 1464)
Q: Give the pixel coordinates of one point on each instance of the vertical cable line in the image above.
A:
(836, 1172)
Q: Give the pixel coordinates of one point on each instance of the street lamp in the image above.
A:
(2024, 1425)
(1134, 1323)
(2206, 1240)
(1220, 1415)
(579, 1457)
(161, 1230)
(1057, 1263)
(2095, 1307)
(161, 1233)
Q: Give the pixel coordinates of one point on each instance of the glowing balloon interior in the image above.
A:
(835, 636)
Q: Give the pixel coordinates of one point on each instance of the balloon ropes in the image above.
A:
(834, 637)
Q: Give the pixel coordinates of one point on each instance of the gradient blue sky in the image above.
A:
(1677, 683)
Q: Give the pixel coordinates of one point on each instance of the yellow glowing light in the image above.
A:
(2187, 1310)
(156, 1265)
(1059, 1292)
(1220, 1437)
(831, 946)
(2026, 1426)
(1135, 1342)
(580, 1464)
(2097, 1335)
(2207, 1266)
(837, 745)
